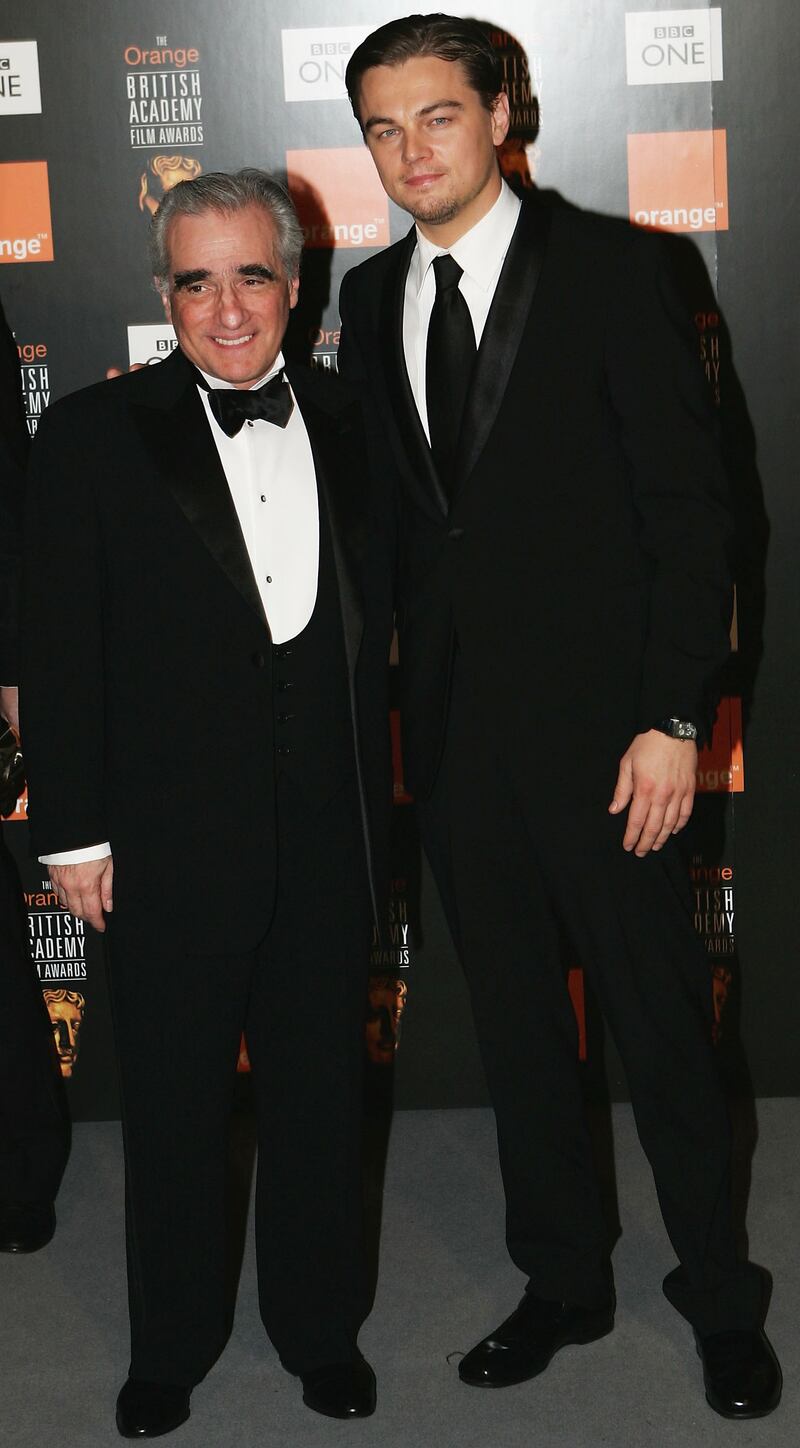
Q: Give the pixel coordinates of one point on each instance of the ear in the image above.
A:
(294, 288)
(501, 118)
(165, 299)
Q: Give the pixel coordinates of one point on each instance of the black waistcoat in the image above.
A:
(314, 743)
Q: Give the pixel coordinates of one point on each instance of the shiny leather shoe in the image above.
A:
(341, 1390)
(741, 1373)
(522, 1346)
(147, 1410)
(26, 1228)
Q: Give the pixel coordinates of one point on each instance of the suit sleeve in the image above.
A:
(669, 435)
(13, 452)
(62, 669)
(349, 360)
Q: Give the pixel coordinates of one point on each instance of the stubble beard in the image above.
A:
(438, 211)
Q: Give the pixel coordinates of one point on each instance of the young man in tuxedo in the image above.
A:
(208, 600)
(564, 610)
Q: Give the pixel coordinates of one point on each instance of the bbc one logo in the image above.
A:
(150, 343)
(20, 94)
(668, 47)
(25, 225)
(315, 60)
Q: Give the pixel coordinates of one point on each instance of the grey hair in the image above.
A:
(226, 193)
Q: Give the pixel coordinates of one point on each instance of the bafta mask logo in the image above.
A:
(387, 999)
(167, 172)
(721, 978)
(66, 1008)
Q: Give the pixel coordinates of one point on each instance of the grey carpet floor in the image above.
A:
(444, 1281)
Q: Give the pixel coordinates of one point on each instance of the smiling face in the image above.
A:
(433, 142)
(229, 297)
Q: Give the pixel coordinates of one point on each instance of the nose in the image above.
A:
(416, 145)
(232, 308)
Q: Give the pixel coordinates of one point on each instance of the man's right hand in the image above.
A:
(85, 889)
(123, 371)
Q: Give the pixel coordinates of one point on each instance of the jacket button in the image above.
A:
(284, 684)
(284, 718)
(455, 534)
(284, 749)
(258, 661)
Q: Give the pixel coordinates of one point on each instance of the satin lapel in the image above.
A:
(341, 489)
(174, 426)
(415, 444)
(502, 334)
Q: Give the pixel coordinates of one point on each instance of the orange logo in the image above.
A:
(678, 180)
(720, 766)
(338, 196)
(25, 226)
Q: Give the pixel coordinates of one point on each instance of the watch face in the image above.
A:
(678, 728)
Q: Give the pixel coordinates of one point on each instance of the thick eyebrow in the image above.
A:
(184, 279)
(423, 111)
(257, 269)
(188, 278)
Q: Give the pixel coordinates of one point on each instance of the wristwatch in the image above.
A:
(677, 728)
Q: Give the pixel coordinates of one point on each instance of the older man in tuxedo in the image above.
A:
(207, 624)
(564, 611)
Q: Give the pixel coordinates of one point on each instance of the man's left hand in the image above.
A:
(657, 778)
(9, 705)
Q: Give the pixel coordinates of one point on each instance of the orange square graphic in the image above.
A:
(25, 227)
(338, 196)
(575, 985)
(20, 811)
(720, 766)
(678, 180)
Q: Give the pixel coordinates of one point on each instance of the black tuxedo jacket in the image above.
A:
(13, 455)
(582, 564)
(146, 653)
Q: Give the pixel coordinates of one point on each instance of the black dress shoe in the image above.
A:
(26, 1228)
(741, 1373)
(146, 1410)
(341, 1390)
(522, 1346)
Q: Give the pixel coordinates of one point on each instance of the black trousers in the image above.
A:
(34, 1128)
(300, 998)
(519, 878)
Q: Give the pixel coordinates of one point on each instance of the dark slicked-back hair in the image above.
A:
(444, 36)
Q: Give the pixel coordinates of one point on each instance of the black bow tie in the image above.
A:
(233, 407)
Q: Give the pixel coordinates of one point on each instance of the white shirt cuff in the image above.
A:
(76, 857)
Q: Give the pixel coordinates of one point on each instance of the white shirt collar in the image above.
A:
(219, 383)
(480, 250)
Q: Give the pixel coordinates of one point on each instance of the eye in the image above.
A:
(388, 133)
(441, 120)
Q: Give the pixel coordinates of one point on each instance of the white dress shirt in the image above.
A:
(272, 480)
(480, 253)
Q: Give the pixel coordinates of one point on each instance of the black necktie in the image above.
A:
(232, 406)
(450, 360)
